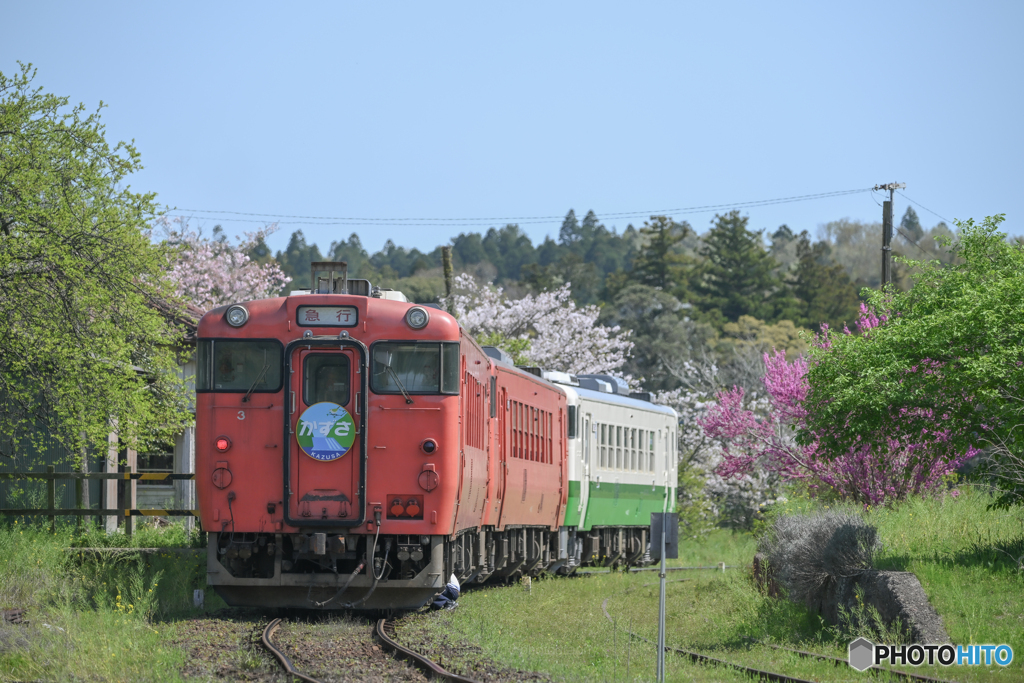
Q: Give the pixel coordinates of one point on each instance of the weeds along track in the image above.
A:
(384, 631)
(758, 673)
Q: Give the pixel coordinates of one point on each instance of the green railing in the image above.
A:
(51, 511)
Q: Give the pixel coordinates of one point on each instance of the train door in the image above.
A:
(588, 450)
(325, 461)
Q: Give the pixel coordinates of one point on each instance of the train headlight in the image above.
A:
(417, 318)
(429, 446)
(237, 316)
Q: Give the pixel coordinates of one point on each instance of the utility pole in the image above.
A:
(887, 231)
(446, 260)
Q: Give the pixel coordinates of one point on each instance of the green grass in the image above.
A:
(106, 617)
(967, 557)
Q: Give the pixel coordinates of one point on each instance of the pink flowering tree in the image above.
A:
(864, 472)
(545, 329)
(211, 271)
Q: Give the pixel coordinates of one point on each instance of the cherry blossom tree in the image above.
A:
(545, 329)
(211, 271)
(734, 498)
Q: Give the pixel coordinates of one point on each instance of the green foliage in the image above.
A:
(823, 290)
(87, 346)
(737, 277)
(295, 260)
(951, 352)
(660, 262)
(512, 346)
(92, 616)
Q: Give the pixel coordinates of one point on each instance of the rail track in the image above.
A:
(759, 673)
(384, 630)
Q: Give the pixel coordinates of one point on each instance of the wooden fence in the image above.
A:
(51, 477)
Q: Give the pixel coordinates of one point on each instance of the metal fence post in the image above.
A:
(51, 491)
(129, 502)
(78, 501)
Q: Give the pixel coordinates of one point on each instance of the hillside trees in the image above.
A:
(737, 275)
(87, 346)
(823, 290)
(295, 259)
(661, 262)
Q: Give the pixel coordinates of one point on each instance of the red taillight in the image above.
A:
(223, 443)
(405, 507)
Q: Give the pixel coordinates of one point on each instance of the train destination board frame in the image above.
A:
(327, 316)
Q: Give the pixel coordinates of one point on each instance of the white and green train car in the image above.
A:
(622, 467)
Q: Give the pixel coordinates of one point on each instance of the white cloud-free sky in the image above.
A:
(468, 110)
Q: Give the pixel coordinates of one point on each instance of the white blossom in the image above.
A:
(559, 335)
(212, 272)
(735, 499)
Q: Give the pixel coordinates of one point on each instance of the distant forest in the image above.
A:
(665, 280)
(726, 272)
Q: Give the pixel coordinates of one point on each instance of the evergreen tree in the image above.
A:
(822, 288)
(660, 263)
(509, 249)
(911, 225)
(569, 233)
(352, 253)
(295, 260)
(468, 249)
(737, 276)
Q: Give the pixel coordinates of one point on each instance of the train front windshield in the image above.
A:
(237, 366)
(418, 368)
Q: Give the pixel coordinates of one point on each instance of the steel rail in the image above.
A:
(707, 659)
(432, 669)
(839, 661)
(760, 674)
(267, 639)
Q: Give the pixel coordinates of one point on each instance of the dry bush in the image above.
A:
(810, 554)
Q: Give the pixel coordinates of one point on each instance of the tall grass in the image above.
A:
(967, 556)
(92, 616)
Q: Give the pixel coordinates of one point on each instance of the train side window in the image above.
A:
(618, 448)
(494, 397)
(650, 449)
(604, 449)
(240, 365)
(641, 460)
(551, 445)
(570, 422)
(204, 359)
(632, 448)
(326, 377)
(450, 368)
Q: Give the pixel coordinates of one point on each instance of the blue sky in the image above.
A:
(468, 110)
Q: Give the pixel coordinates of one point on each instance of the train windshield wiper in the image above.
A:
(401, 387)
(266, 366)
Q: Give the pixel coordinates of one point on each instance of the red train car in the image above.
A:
(353, 450)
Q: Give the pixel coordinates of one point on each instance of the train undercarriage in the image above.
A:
(395, 572)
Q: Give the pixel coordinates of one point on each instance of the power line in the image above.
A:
(924, 207)
(470, 222)
(910, 239)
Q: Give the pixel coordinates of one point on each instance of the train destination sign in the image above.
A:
(328, 316)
